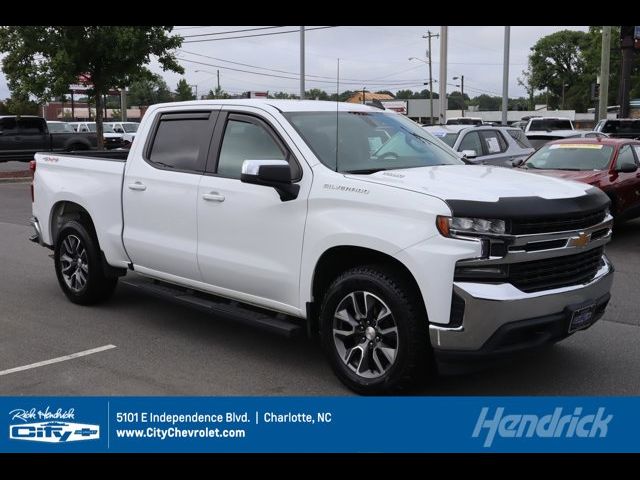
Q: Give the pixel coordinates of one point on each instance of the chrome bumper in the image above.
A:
(488, 307)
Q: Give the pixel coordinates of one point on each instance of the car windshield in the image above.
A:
(60, 128)
(447, 137)
(130, 127)
(571, 156)
(369, 141)
(108, 128)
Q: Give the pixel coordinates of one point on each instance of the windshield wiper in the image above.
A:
(365, 171)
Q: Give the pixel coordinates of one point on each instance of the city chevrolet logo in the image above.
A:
(54, 432)
(581, 240)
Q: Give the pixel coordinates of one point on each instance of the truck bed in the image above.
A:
(90, 180)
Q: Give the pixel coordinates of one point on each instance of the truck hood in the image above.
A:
(476, 183)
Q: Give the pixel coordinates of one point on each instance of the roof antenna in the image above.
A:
(337, 107)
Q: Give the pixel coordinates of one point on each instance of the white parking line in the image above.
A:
(57, 360)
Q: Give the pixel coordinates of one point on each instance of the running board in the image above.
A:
(274, 322)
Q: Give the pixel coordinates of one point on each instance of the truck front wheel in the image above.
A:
(374, 330)
(78, 266)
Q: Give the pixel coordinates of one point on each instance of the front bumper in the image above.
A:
(499, 318)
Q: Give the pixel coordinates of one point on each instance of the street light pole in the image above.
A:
(461, 91)
(562, 103)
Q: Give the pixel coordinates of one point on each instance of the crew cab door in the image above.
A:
(160, 193)
(249, 240)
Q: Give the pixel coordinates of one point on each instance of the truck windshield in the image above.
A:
(130, 127)
(570, 156)
(368, 142)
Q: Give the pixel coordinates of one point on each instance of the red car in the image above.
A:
(610, 164)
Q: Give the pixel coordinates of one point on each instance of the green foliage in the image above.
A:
(457, 101)
(407, 94)
(486, 102)
(386, 92)
(316, 93)
(148, 91)
(183, 91)
(573, 58)
(20, 104)
(44, 60)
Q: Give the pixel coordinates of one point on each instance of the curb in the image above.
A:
(15, 180)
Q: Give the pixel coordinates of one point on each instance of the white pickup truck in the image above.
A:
(336, 219)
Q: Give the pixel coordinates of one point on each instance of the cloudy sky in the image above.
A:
(373, 57)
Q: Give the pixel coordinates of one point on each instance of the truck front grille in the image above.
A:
(530, 226)
(555, 272)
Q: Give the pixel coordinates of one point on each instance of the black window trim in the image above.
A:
(211, 168)
(211, 114)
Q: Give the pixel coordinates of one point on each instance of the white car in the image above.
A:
(127, 131)
(484, 144)
(334, 219)
(111, 138)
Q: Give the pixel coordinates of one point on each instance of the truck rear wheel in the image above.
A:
(78, 266)
(374, 331)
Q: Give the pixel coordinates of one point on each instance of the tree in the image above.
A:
(387, 92)
(486, 102)
(217, 93)
(316, 93)
(404, 94)
(457, 101)
(184, 91)
(525, 81)
(20, 104)
(45, 60)
(147, 91)
(559, 59)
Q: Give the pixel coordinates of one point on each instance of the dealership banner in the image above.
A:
(320, 424)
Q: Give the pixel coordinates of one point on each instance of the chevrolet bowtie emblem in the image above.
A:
(580, 241)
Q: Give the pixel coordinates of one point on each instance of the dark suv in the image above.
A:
(620, 127)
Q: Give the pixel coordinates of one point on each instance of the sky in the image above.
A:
(371, 57)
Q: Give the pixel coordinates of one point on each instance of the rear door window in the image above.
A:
(493, 142)
(8, 126)
(30, 126)
(520, 138)
(181, 141)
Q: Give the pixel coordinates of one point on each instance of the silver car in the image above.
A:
(486, 145)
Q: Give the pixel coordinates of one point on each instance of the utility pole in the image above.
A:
(123, 104)
(364, 90)
(626, 44)
(429, 36)
(462, 92)
(603, 100)
(218, 79)
(505, 75)
(301, 63)
(442, 90)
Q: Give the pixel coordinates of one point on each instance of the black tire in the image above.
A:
(413, 359)
(96, 287)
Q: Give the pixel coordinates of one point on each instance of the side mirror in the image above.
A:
(518, 162)
(628, 168)
(270, 173)
(469, 153)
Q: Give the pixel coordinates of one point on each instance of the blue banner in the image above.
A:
(322, 425)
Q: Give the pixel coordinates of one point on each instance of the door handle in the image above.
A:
(213, 197)
(137, 186)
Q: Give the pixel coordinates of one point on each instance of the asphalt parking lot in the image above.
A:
(164, 349)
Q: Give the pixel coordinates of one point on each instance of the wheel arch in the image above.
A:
(338, 259)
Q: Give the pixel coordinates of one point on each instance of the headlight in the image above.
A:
(469, 225)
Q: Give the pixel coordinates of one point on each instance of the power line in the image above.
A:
(232, 31)
(256, 35)
(350, 82)
(359, 80)
(190, 28)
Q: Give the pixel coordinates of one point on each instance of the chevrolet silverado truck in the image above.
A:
(21, 137)
(336, 220)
